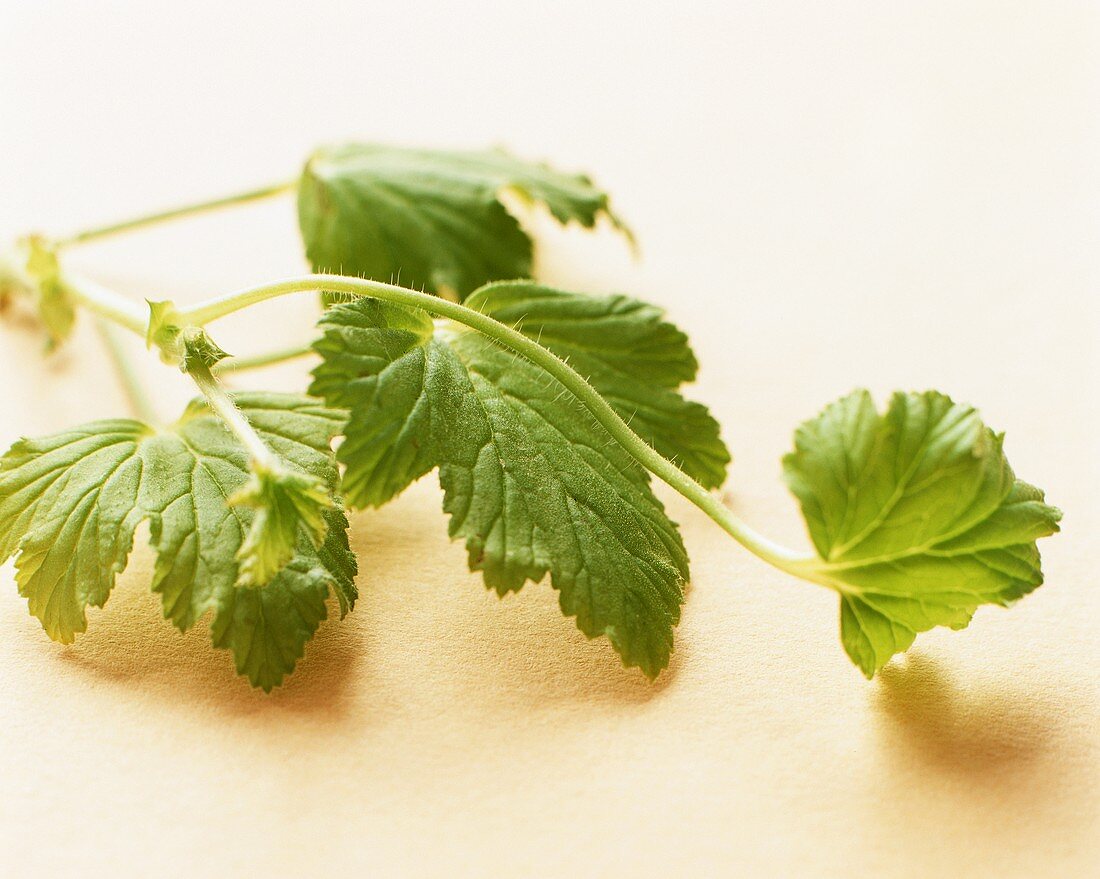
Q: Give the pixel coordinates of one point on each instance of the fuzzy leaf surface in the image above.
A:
(533, 484)
(634, 357)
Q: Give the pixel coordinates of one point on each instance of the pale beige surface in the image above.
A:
(828, 195)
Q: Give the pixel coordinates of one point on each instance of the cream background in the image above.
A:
(827, 195)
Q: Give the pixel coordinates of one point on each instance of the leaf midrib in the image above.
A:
(895, 498)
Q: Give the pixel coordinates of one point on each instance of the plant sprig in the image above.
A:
(545, 412)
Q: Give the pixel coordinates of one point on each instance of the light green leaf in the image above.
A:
(69, 505)
(916, 516)
(531, 481)
(430, 219)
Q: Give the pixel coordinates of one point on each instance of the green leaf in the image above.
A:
(634, 358)
(916, 516)
(69, 505)
(430, 219)
(532, 482)
(375, 357)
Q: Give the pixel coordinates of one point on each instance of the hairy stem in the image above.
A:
(175, 213)
(222, 404)
(777, 555)
(109, 305)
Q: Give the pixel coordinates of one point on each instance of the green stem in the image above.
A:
(227, 410)
(777, 555)
(107, 303)
(267, 358)
(185, 211)
(140, 402)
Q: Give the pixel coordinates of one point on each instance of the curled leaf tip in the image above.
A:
(286, 502)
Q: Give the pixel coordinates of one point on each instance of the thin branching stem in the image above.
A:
(136, 394)
(122, 311)
(219, 400)
(107, 303)
(266, 358)
(779, 556)
(202, 207)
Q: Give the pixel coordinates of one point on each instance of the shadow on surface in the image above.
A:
(526, 651)
(977, 732)
(962, 730)
(422, 627)
(989, 760)
(437, 629)
(129, 643)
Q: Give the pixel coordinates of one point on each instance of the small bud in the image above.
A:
(286, 502)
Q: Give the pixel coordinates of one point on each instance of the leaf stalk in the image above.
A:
(761, 546)
(263, 458)
(202, 207)
(107, 303)
(266, 358)
(114, 307)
